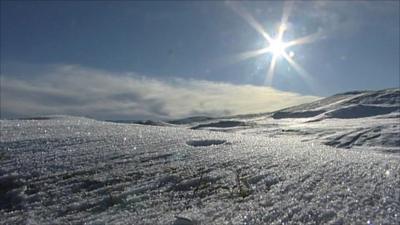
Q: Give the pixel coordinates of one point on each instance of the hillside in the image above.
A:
(363, 120)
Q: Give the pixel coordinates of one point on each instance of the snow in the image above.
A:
(347, 105)
(254, 170)
(362, 120)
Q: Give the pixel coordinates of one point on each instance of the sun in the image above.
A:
(275, 45)
(277, 48)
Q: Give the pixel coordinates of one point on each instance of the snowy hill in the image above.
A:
(240, 170)
(347, 105)
(363, 120)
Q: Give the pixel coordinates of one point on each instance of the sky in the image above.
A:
(166, 59)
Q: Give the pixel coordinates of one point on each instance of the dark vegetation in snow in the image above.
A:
(221, 124)
(203, 143)
(11, 191)
(297, 114)
(358, 111)
(152, 123)
(190, 120)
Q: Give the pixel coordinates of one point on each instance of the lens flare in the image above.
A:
(276, 46)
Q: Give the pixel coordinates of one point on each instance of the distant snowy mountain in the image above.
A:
(347, 105)
(272, 168)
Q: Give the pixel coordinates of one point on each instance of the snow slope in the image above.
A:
(347, 105)
(300, 167)
(362, 120)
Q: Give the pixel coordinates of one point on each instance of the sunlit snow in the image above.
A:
(252, 170)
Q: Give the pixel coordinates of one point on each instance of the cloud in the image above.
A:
(74, 90)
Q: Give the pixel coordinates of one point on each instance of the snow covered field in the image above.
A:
(253, 169)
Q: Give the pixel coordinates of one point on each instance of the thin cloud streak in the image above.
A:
(74, 90)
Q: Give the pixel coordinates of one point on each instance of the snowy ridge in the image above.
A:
(364, 120)
(347, 105)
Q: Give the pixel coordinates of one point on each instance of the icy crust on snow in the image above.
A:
(80, 171)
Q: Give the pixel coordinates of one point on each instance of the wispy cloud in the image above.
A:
(74, 90)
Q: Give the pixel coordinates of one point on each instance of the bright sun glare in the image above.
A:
(275, 46)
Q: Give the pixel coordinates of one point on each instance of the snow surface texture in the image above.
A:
(257, 170)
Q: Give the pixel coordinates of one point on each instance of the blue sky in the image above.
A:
(178, 45)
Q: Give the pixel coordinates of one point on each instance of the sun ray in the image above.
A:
(304, 40)
(296, 66)
(250, 20)
(276, 46)
(301, 71)
(287, 8)
(271, 69)
(242, 56)
(250, 54)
